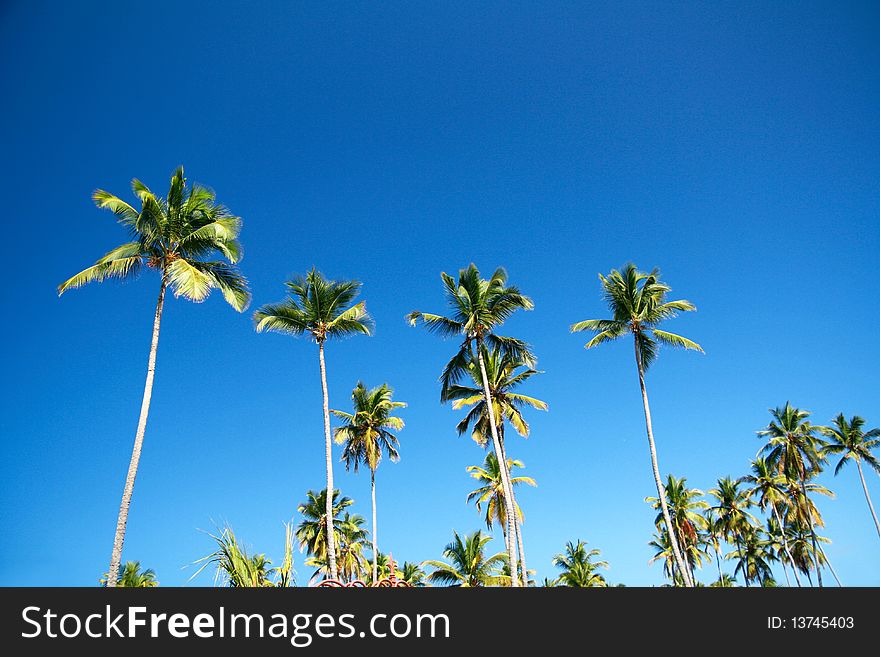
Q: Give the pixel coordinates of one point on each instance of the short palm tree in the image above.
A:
(351, 537)
(468, 565)
(311, 532)
(578, 567)
(506, 373)
(796, 451)
(412, 574)
(731, 518)
(322, 309)
(769, 491)
(753, 557)
(184, 237)
(235, 568)
(849, 439)
(685, 509)
(637, 301)
(367, 435)
(132, 577)
(478, 308)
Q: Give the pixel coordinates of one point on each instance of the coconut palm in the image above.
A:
(491, 490)
(131, 576)
(351, 539)
(468, 565)
(849, 439)
(663, 551)
(235, 568)
(796, 450)
(478, 308)
(685, 507)
(412, 574)
(311, 532)
(322, 309)
(769, 491)
(730, 515)
(578, 567)
(505, 373)
(366, 435)
(753, 557)
(185, 237)
(637, 301)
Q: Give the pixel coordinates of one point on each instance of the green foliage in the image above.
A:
(131, 576)
(491, 492)
(578, 568)
(849, 439)
(366, 434)
(236, 568)
(467, 565)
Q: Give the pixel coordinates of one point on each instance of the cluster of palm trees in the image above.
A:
(191, 241)
(780, 486)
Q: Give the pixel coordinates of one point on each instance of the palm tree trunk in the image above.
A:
(868, 497)
(830, 567)
(505, 479)
(518, 525)
(328, 449)
(741, 555)
(785, 573)
(718, 563)
(375, 540)
(122, 520)
(785, 545)
(809, 512)
(661, 493)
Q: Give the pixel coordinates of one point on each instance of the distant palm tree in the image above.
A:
(311, 532)
(795, 449)
(478, 308)
(322, 309)
(769, 488)
(578, 567)
(351, 539)
(491, 491)
(468, 566)
(177, 236)
(131, 576)
(849, 439)
(366, 435)
(638, 304)
(235, 568)
(412, 574)
(731, 518)
(724, 581)
(505, 372)
(688, 523)
(753, 557)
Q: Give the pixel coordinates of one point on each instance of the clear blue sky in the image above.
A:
(736, 147)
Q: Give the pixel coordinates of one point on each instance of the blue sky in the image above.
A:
(736, 147)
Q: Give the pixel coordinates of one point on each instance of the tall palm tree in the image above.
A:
(468, 565)
(795, 449)
(770, 489)
(637, 301)
(131, 576)
(849, 439)
(478, 307)
(491, 491)
(505, 373)
(322, 309)
(685, 507)
(578, 567)
(235, 568)
(311, 532)
(181, 236)
(730, 514)
(366, 435)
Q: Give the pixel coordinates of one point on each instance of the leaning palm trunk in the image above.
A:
(518, 524)
(785, 545)
(828, 563)
(661, 493)
(375, 540)
(505, 479)
(328, 448)
(809, 514)
(867, 497)
(122, 520)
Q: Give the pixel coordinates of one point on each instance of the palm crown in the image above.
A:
(491, 490)
(366, 433)
(477, 307)
(850, 440)
(793, 443)
(317, 306)
(468, 565)
(180, 235)
(637, 301)
(578, 567)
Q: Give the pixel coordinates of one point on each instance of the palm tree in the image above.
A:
(237, 569)
(730, 515)
(478, 308)
(505, 373)
(468, 565)
(491, 492)
(412, 574)
(366, 436)
(637, 302)
(131, 576)
(753, 556)
(350, 539)
(177, 236)
(849, 439)
(770, 489)
(685, 511)
(796, 451)
(311, 532)
(578, 567)
(322, 309)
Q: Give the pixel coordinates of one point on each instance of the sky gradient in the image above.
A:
(736, 147)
